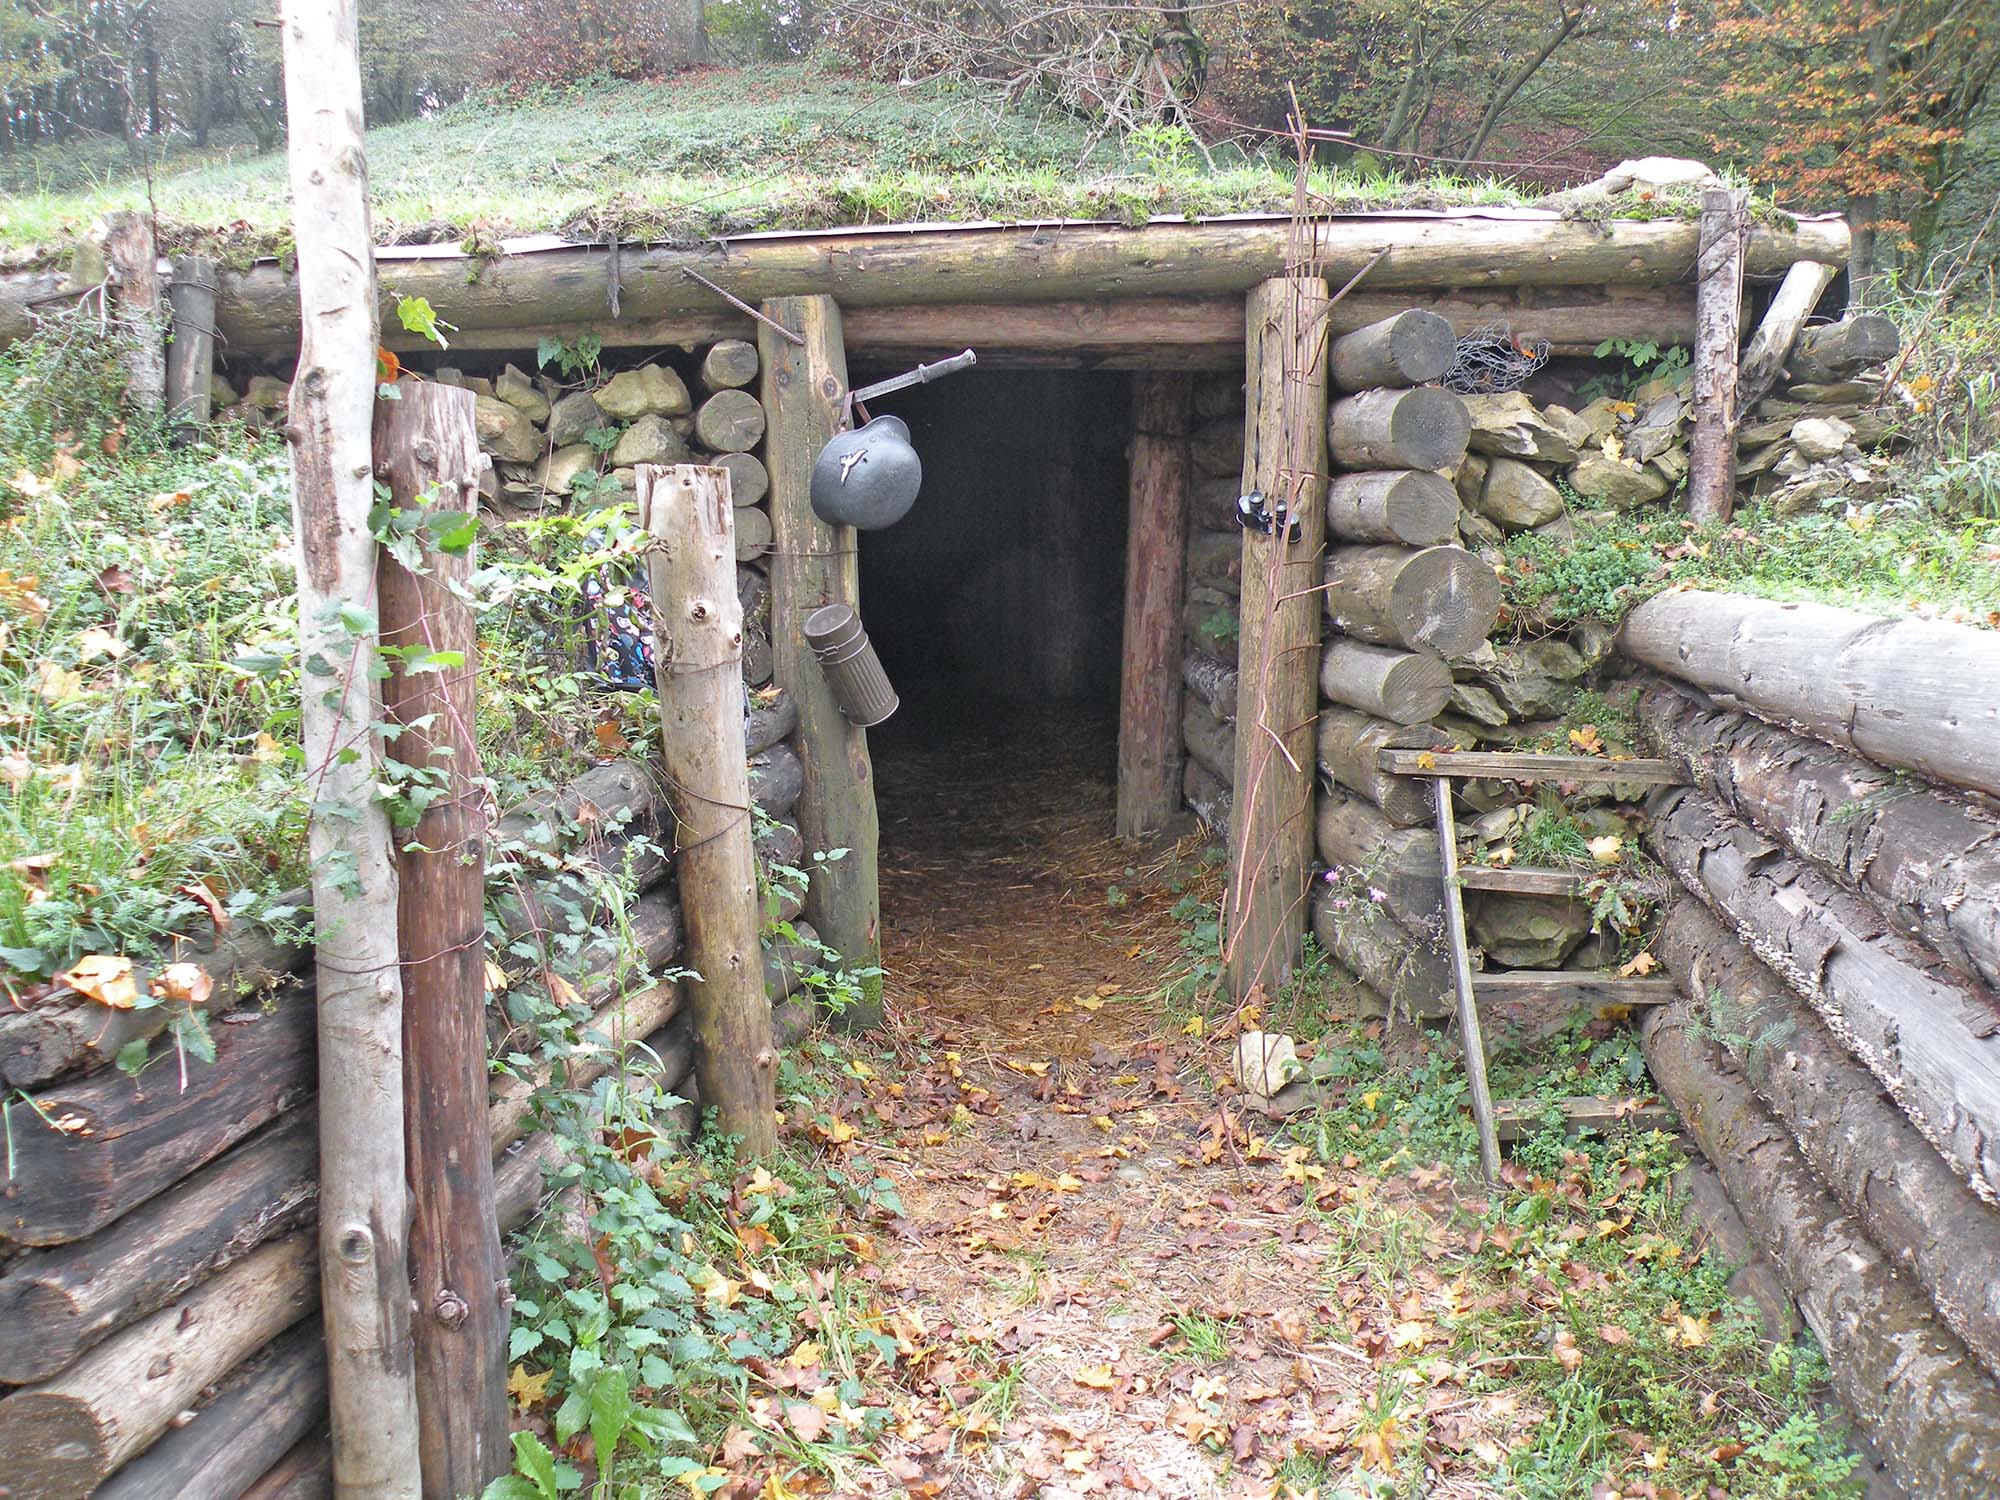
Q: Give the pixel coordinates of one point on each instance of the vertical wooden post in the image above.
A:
(132, 265)
(363, 1195)
(1149, 700)
(1470, 1033)
(1284, 458)
(427, 453)
(191, 350)
(1718, 310)
(698, 659)
(813, 564)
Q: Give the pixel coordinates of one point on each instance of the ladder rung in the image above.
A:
(1596, 986)
(1509, 765)
(1525, 880)
(1513, 1118)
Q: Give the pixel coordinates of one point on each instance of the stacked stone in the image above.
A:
(1818, 442)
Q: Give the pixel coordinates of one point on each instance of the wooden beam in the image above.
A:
(427, 456)
(1583, 987)
(1149, 702)
(1471, 1040)
(1284, 457)
(1718, 310)
(1764, 358)
(1514, 1118)
(804, 386)
(698, 631)
(191, 350)
(1510, 765)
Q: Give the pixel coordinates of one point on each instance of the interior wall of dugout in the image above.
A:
(1005, 584)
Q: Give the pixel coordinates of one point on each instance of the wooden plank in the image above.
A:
(1522, 881)
(1284, 457)
(1149, 700)
(1585, 986)
(1718, 313)
(804, 387)
(1771, 345)
(1514, 1118)
(1461, 972)
(1507, 765)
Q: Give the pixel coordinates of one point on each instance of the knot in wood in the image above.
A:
(830, 388)
(354, 1244)
(449, 1308)
(425, 450)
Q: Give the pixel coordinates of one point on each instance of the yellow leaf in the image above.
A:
(527, 1389)
(1196, 1026)
(1501, 857)
(496, 978)
(1642, 964)
(105, 978)
(1586, 739)
(189, 984)
(1377, 1444)
(1693, 1332)
(1427, 761)
(96, 642)
(1370, 1099)
(1607, 850)
(562, 991)
(1095, 1378)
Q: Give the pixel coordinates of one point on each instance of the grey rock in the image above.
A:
(650, 440)
(1477, 532)
(650, 390)
(1534, 678)
(573, 416)
(519, 392)
(1478, 705)
(557, 472)
(1818, 438)
(1613, 482)
(1529, 932)
(267, 393)
(1469, 478)
(504, 432)
(1578, 433)
(1518, 497)
(1509, 425)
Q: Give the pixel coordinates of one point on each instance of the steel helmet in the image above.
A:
(867, 478)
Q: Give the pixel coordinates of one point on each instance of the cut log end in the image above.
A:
(1440, 599)
(1411, 506)
(1411, 348)
(1422, 428)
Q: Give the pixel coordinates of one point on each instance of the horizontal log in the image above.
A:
(1405, 687)
(1349, 747)
(1212, 506)
(1440, 599)
(1424, 428)
(1412, 506)
(1510, 765)
(544, 286)
(1209, 740)
(88, 1151)
(305, 1473)
(1208, 795)
(1908, 1380)
(1859, 1144)
(1412, 347)
(1835, 351)
(777, 776)
(1913, 693)
(1211, 682)
(1215, 560)
(1354, 840)
(773, 716)
(1928, 861)
(1209, 623)
(1934, 1045)
(730, 421)
(1412, 975)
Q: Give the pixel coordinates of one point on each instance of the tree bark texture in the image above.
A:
(191, 353)
(132, 261)
(1838, 351)
(1346, 751)
(804, 386)
(698, 634)
(1934, 1044)
(1407, 971)
(1149, 762)
(1912, 693)
(1927, 860)
(1354, 839)
(1284, 457)
(1908, 1379)
(1213, 683)
(1771, 345)
(1412, 506)
(1440, 599)
(1405, 687)
(1718, 310)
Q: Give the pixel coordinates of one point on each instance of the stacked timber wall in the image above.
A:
(159, 1284)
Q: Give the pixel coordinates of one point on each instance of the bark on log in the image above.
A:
(772, 717)
(132, 261)
(117, 1141)
(1212, 505)
(1406, 687)
(1934, 1044)
(1764, 359)
(191, 351)
(1928, 861)
(1208, 795)
(1711, 475)
(1411, 506)
(1424, 428)
(1284, 458)
(1210, 741)
(1212, 681)
(1215, 561)
(730, 421)
(1909, 1380)
(1346, 753)
(1354, 839)
(1837, 351)
(1411, 975)
(1911, 693)
(1149, 759)
(1859, 1144)
(787, 962)
(1216, 449)
(777, 779)
(698, 627)
(749, 480)
(305, 1473)
(753, 533)
(60, 1439)
(59, 1302)
(1440, 599)
(728, 365)
(266, 1407)
(1412, 348)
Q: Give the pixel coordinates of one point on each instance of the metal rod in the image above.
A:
(1461, 973)
(921, 375)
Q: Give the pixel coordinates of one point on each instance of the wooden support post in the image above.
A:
(191, 349)
(364, 1196)
(698, 660)
(427, 453)
(1461, 976)
(804, 386)
(131, 260)
(1717, 313)
(1149, 701)
(1764, 357)
(1284, 457)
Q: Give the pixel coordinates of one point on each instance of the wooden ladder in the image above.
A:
(1440, 767)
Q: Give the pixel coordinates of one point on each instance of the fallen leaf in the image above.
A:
(1095, 1378)
(104, 977)
(1642, 963)
(1606, 850)
(527, 1389)
(182, 983)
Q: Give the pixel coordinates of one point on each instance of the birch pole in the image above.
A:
(363, 1202)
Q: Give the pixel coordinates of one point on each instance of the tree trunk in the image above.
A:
(364, 1210)
(427, 456)
(1149, 761)
(1284, 458)
(1423, 428)
(698, 631)
(1798, 294)
(1405, 687)
(1209, 795)
(1440, 599)
(132, 260)
(1348, 743)
(1411, 348)
(1718, 310)
(1840, 351)
(1873, 1159)
(1909, 1380)
(1410, 974)
(1411, 506)
(1934, 1044)
(1911, 693)
(817, 564)
(730, 421)
(1929, 862)
(730, 364)
(1210, 741)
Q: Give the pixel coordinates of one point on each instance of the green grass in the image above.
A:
(718, 151)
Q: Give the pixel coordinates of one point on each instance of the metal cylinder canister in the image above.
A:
(852, 668)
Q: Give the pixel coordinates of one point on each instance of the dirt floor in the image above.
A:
(1106, 1277)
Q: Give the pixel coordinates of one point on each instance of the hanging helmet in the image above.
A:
(867, 478)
